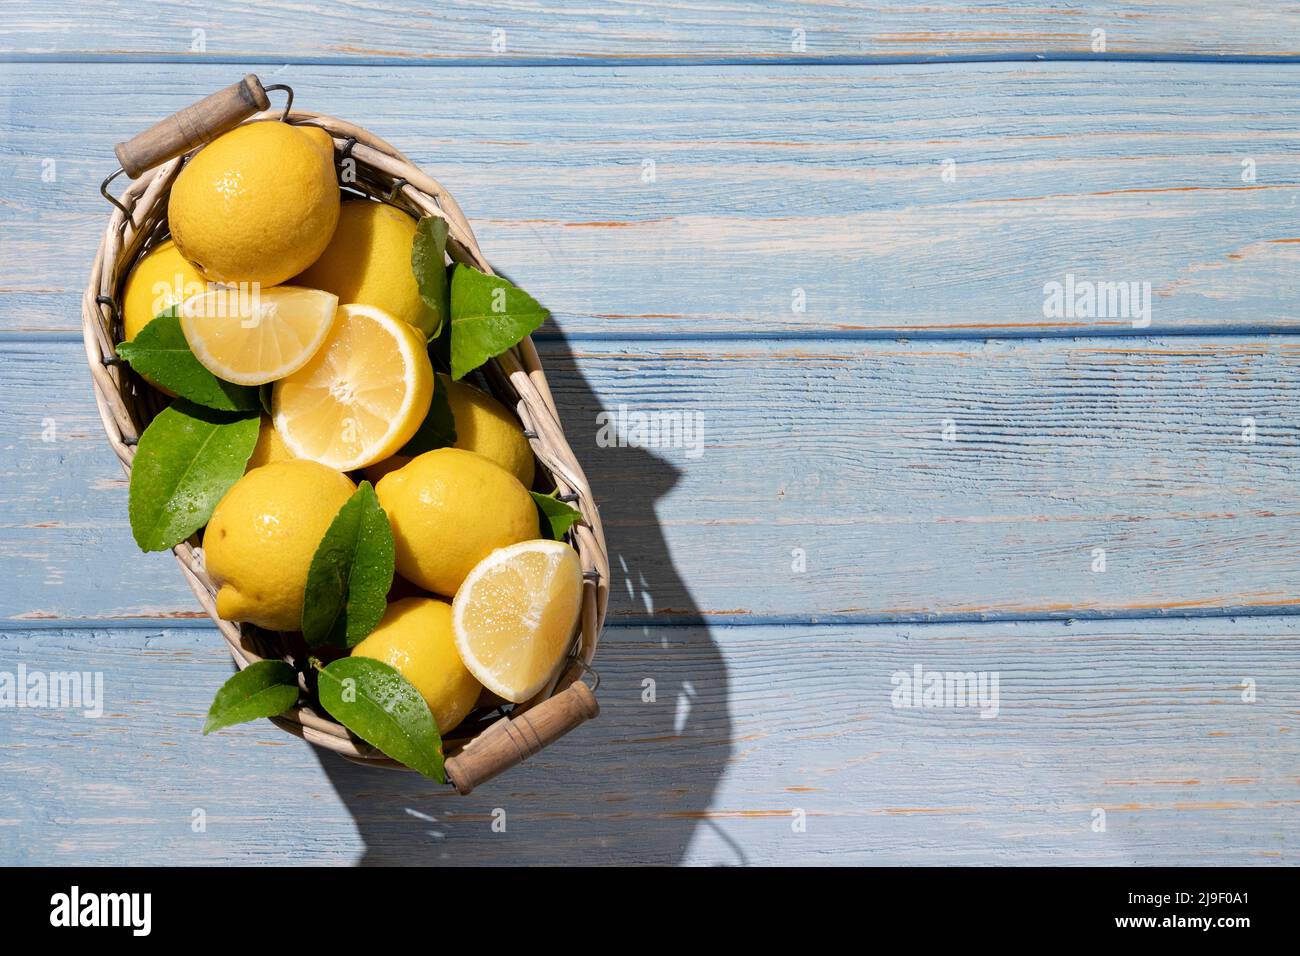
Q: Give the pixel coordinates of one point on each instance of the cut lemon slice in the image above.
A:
(254, 337)
(361, 397)
(515, 615)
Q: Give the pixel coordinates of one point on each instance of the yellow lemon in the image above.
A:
(270, 447)
(256, 336)
(258, 204)
(449, 510)
(415, 638)
(361, 397)
(369, 262)
(162, 279)
(320, 139)
(259, 544)
(483, 425)
(516, 614)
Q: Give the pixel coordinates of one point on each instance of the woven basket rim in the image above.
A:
(516, 378)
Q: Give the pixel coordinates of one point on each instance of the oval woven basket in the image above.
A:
(495, 738)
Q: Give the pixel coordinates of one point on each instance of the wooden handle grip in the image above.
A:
(193, 126)
(511, 741)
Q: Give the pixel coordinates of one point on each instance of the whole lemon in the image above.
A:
(263, 534)
(320, 139)
(368, 262)
(163, 278)
(415, 637)
(449, 509)
(483, 425)
(270, 446)
(257, 204)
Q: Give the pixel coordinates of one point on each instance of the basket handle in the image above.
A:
(512, 740)
(199, 123)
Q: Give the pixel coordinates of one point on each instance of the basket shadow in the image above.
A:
(635, 784)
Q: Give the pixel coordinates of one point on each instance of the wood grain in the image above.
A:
(648, 31)
(784, 202)
(1144, 721)
(835, 450)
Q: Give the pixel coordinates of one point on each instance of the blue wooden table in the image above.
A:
(837, 242)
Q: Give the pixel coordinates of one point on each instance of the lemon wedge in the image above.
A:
(514, 616)
(361, 397)
(254, 336)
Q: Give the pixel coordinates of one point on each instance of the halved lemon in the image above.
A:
(514, 616)
(361, 397)
(254, 336)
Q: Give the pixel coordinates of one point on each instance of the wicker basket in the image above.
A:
(488, 741)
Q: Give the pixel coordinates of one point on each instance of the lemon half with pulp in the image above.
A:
(254, 336)
(515, 615)
(361, 397)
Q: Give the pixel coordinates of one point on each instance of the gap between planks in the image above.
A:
(796, 336)
(618, 62)
(707, 620)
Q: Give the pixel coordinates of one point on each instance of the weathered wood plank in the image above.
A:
(784, 201)
(1145, 722)
(831, 455)
(646, 31)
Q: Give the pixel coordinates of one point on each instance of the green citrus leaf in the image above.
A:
(262, 689)
(554, 516)
(377, 704)
(350, 573)
(438, 430)
(188, 457)
(488, 316)
(429, 263)
(161, 354)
